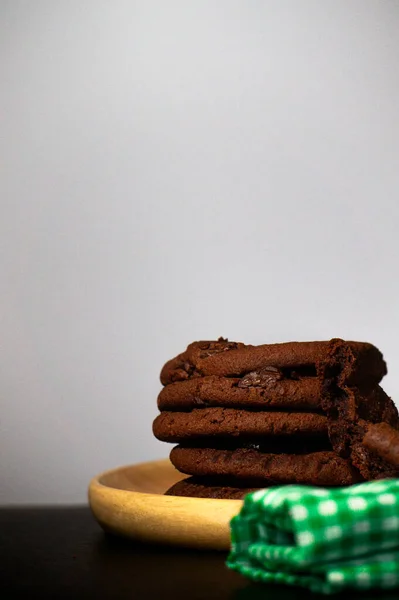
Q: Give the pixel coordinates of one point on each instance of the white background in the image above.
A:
(181, 170)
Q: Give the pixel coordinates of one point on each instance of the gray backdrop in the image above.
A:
(181, 170)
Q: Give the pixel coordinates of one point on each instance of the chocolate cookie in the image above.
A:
(196, 488)
(370, 464)
(382, 440)
(351, 364)
(225, 422)
(350, 408)
(267, 388)
(231, 359)
(317, 468)
(228, 402)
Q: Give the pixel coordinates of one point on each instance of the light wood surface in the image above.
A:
(130, 501)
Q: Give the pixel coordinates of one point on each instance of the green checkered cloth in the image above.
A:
(326, 540)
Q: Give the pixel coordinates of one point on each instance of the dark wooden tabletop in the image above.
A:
(62, 553)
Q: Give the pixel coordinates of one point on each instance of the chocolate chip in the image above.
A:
(211, 348)
(199, 402)
(261, 378)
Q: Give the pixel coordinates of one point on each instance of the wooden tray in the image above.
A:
(129, 501)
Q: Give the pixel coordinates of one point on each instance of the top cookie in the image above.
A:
(363, 362)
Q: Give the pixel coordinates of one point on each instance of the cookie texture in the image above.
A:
(383, 441)
(206, 488)
(225, 422)
(265, 389)
(318, 468)
(350, 408)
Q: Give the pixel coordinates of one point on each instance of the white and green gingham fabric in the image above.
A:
(324, 539)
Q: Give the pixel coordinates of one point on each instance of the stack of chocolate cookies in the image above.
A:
(246, 417)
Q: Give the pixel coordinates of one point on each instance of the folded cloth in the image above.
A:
(326, 540)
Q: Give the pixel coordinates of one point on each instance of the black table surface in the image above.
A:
(62, 553)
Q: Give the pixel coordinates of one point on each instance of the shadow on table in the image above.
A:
(146, 571)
